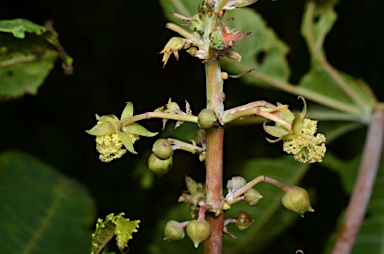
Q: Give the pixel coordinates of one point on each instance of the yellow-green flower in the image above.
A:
(301, 140)
(111, 136)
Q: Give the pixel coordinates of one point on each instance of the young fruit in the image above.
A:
(297, 200)
(159, 166)
(198, 231)
(206, 118)
(173, 231)
(162, 149)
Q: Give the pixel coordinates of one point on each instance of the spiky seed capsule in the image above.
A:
(243, 220)
(173, 231)
(252, 197)
(162, 149)
(159, 166)
(297, 200)
(206, 118)
(198, 231)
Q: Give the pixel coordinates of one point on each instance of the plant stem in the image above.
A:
(163, 115)
(214, 139)
(364, 185)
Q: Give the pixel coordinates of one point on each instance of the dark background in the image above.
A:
(115, 46)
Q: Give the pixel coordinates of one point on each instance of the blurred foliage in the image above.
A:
(115, 45)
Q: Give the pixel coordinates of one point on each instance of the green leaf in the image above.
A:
(41, 210)
(128, 111)
(18, 27)
(271, 218)
(26, 60)
(137, 129)
(318, 20)
(24, 65)
(113, 225)
(102, 128)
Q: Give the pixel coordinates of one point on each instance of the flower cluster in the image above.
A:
(111, 135)
(306, 147)
(300, 139)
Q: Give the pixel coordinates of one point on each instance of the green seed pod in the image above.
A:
(173, 231)
(243, 220)
(198, 231)
(162, 149)
(252, 197)
(207, 118)
(159, 166)
(297, 200)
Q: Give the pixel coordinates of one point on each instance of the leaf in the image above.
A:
(137, 129)
(18, 27)
(128, 111)
(318, 20)
(271, 218)
(24, 65)
(113, 225)
(41, 210)
(25, 61)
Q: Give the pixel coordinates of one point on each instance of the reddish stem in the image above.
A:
(364, 185)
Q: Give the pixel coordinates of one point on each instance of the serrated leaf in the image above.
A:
(137, 129)
(102, 128)
(41, 210)
(18, 27)
(128, 111)
(113, 225)
(124, 230)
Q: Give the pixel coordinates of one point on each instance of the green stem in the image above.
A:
(214, 139)
(163, 115)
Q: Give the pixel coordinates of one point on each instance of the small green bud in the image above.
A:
(162, 149)
(197, 23)
(207, 118)
(173, 231)
(243, 220)
(235, 183)
(200, 137)
(252, 197)
(198, 231)
(159, 166)
(297, 200)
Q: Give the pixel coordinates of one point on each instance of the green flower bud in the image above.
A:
(297, 200)
(252, 197)
(207, 118)
(235, 183)
(243, 220)
(200, 137)
(159, 166)
(198, 231)
(173, 231)
(162, 149)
